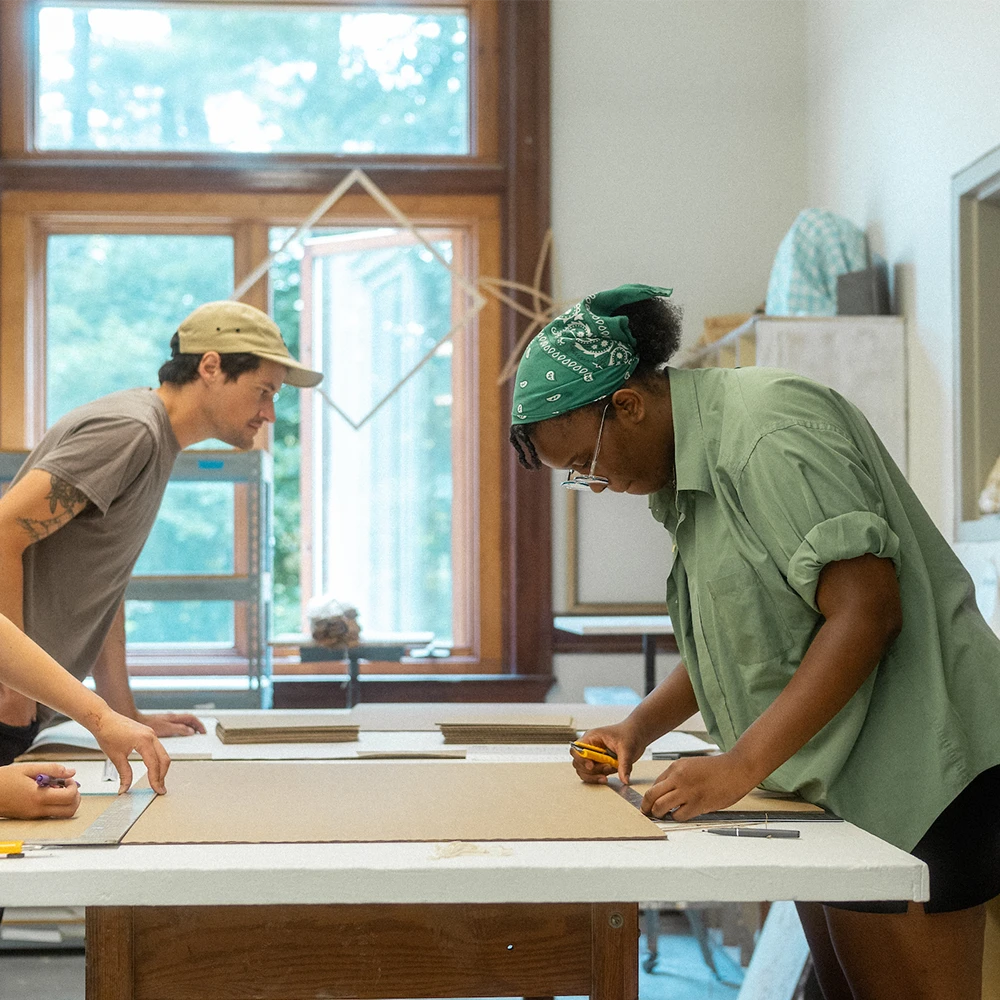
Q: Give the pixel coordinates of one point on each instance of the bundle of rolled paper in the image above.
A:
(333, 623)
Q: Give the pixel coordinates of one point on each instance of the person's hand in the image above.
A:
(695, 785)
(15, 709)
(118, 736)
(21, 797)
(172, 724)
(623, 740)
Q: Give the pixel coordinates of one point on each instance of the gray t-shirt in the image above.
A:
(119, 452)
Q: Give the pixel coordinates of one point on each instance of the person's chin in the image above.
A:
(641, 489)
(244, 441)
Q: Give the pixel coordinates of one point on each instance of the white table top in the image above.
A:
(614, 624)
(830, 861)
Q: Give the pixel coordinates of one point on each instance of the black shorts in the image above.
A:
(961, 849)
(14, 740)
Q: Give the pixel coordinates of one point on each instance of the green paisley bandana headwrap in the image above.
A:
(581, 356)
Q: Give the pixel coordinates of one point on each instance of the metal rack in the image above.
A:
(250, 584)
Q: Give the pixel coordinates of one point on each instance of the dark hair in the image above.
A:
(656, 325)
(183, 368)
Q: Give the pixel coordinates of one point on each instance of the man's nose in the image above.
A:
(598, 487)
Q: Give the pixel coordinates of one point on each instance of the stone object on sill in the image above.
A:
(333, 623)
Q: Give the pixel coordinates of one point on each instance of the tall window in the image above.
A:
(109, 299)
(376, 309)
(151, 155)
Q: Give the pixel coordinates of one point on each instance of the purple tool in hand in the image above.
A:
(47, 781)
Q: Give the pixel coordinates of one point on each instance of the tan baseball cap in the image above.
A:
(236, 328)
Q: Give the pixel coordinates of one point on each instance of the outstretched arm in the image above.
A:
(28, 669)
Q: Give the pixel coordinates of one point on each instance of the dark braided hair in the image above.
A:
(656, 325)
(520, 438)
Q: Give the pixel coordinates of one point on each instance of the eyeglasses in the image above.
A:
(577, 481)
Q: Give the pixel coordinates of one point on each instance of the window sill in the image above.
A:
(321, 691)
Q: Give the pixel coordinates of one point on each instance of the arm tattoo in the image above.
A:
(62, 495)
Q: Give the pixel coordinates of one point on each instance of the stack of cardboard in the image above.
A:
(509, 729)
(279, 727)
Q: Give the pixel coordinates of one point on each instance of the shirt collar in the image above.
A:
(690, 456)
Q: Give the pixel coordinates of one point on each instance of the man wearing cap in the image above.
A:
(80, 509)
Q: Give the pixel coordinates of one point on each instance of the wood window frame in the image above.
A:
(518, 176)
(28, 218)
(468, 399)
(19, 30)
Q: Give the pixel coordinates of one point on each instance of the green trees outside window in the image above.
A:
(245, 79)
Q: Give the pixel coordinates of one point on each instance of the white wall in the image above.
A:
(678, 158)
(678, 146)
(902, 95)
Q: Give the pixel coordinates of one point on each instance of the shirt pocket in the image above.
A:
(747, 627)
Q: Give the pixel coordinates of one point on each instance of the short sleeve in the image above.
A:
(809, 496)
(100, 457)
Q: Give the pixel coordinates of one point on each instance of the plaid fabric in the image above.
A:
(818, 247)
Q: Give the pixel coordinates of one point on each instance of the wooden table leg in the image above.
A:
(615, 951)
(110, 953)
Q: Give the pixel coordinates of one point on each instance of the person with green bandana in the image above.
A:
(829, 635)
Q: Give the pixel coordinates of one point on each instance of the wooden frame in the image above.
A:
(27, 218)
(976, 308)
(413, 950)
(574, 606)
(476, 533)
(18, 20)
(517, 177)
(465, 392)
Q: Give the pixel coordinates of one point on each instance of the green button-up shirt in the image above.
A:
(776, 477)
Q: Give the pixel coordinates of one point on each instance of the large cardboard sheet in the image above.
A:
(264, 802)
(48, 831)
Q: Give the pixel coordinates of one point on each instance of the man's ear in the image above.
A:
(629, 405)
(210, 366)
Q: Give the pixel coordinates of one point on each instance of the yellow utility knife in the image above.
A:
(600, 755)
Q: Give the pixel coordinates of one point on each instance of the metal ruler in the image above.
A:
(111, 826)
(634, 797)
(630, 795)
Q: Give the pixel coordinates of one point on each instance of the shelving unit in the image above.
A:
(249, 586)
(862, 357)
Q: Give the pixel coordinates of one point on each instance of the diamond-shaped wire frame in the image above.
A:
(469, 314)
(360, 178)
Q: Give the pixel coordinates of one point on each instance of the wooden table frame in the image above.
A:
(364, 951)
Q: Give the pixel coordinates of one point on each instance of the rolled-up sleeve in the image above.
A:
(810, 499)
